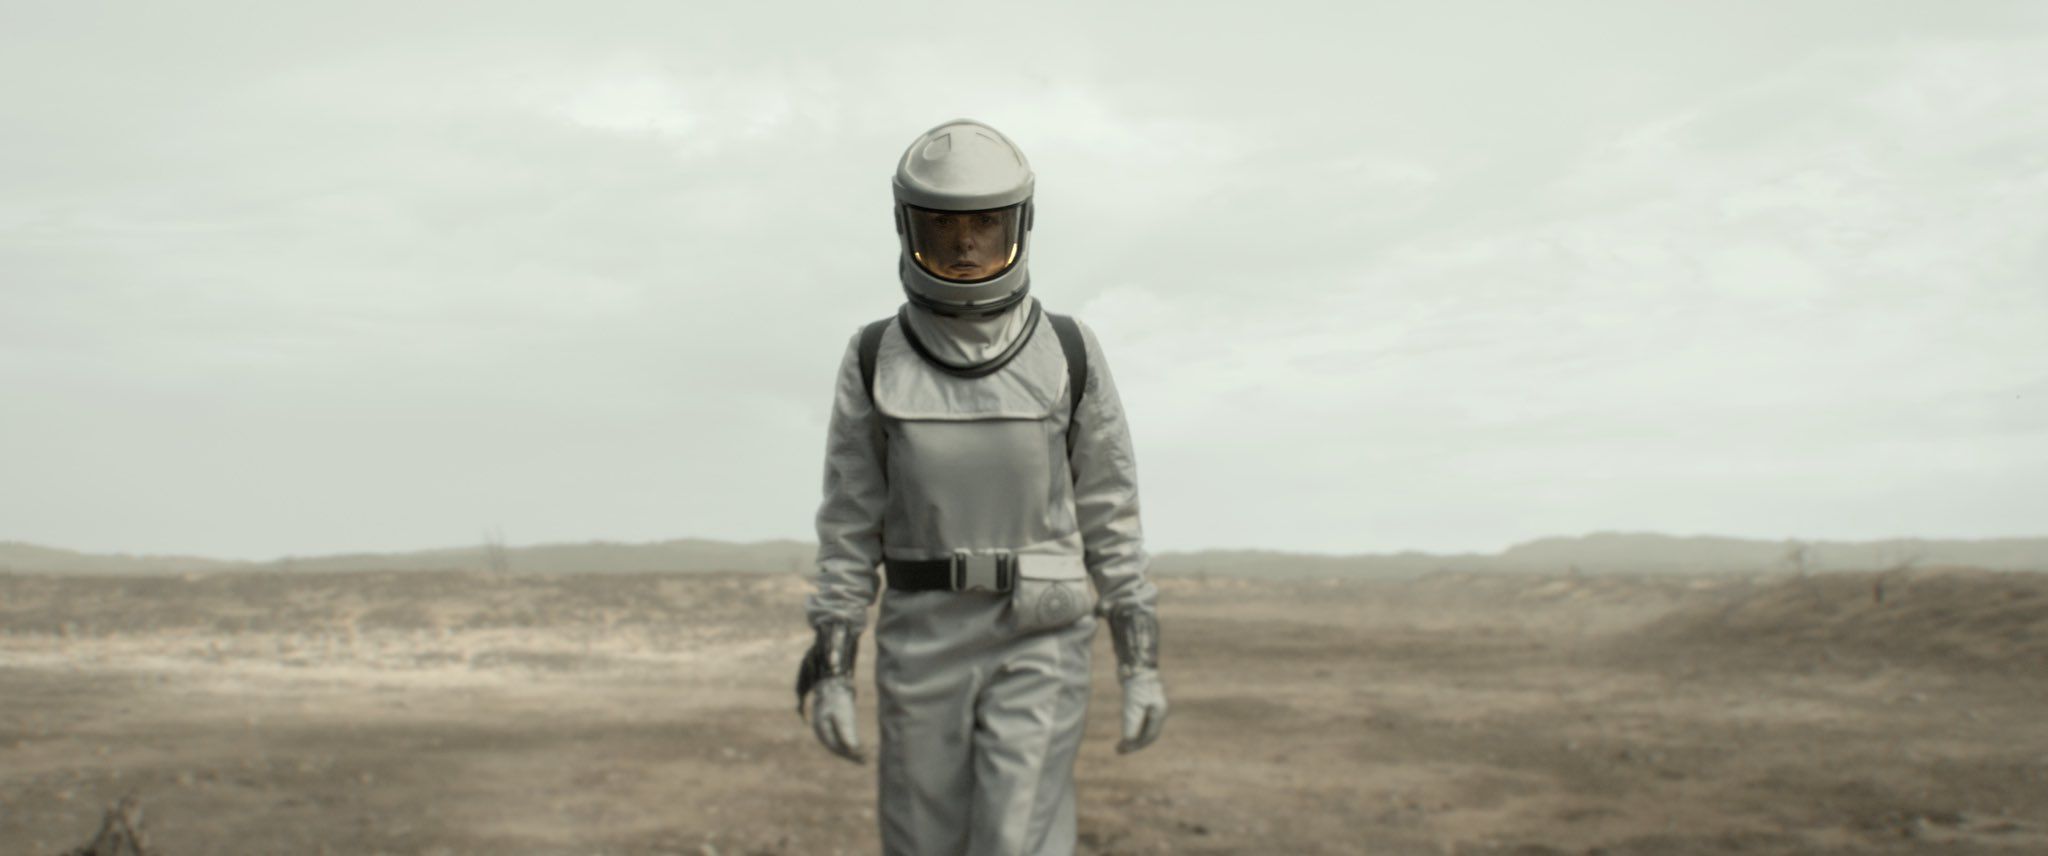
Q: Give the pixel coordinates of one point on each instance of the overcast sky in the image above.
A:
(1438, 277)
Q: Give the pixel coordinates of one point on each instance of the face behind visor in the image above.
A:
(965, 246)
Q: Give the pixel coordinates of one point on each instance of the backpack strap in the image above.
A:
(1077, 369)
(870, 346)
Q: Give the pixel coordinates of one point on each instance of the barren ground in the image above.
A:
(446, 713)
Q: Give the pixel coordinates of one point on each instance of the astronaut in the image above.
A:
(977, 452)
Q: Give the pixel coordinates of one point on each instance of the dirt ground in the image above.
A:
(453, 713)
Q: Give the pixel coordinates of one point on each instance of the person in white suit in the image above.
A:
(977, 452)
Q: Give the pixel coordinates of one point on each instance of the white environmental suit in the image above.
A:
(980, 694)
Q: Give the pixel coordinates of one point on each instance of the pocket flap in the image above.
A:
(1051, 567)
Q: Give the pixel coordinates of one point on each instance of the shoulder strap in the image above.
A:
(870, 345)
(1077, 368)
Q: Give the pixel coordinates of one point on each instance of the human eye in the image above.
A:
(985, 220)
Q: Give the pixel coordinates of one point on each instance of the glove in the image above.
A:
(826, 680)
(832, 719)
(1135, 632)
(1144, 710)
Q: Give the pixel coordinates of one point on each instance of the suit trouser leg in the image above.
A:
(1028, 731)
(979, 727)
(928, 647)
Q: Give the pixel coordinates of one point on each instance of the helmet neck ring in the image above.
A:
(989, 309)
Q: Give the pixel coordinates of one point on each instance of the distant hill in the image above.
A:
(1597, 553)
(1645, 552)
(680, 555)
(1954, 616)
(29, 558)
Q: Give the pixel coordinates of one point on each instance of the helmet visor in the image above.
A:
(965, 246)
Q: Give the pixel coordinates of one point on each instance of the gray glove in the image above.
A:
(1144, 711)
(1135, 632)
(832, 718)
(826, 680)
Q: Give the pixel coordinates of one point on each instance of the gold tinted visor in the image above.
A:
(964, 246)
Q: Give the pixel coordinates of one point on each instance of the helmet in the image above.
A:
(963, 215)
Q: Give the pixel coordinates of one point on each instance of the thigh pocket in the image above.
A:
(1050, 591)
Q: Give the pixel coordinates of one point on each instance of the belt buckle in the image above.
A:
(990, 572)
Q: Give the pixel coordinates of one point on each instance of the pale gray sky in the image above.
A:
(1437, 276)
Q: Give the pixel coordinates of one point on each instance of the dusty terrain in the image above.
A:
(454, 713)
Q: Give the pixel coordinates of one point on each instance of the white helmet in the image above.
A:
(963, 214)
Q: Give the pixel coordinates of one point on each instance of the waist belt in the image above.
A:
(963, 571)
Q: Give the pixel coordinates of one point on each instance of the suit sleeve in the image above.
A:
(1106, 492)
(845, 582)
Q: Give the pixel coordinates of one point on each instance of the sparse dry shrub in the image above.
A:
(120, 834)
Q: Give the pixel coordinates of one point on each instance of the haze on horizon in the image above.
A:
(379, 277)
